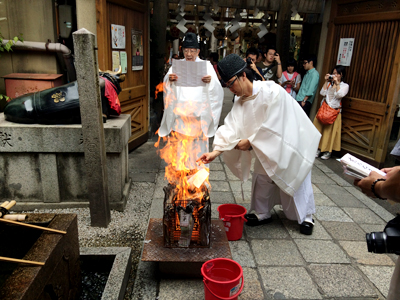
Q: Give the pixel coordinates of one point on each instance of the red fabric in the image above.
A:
(112, 96)
(289, 86)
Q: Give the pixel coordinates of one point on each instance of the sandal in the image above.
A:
(307, 227)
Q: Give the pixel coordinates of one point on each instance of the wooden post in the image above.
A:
(283, 31)
(92, 126)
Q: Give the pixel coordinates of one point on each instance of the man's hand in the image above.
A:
(365, 183)
(206, 79)
(277, 58)
(172, 77)
(209, 157)
(243, 145)
(303, 103)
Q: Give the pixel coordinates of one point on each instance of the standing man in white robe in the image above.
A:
(267, 123)
(192, 113)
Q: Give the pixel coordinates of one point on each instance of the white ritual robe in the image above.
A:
(198, 106)
(283, 138)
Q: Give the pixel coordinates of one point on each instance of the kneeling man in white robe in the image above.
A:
(266, 123)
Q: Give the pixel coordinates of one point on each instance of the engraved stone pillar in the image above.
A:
(92, 126)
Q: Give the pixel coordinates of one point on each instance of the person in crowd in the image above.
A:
(309, 85)
(200, 105)
(266, 123)
(213, 58)
(388, 187)
(260, 56)
(175, 56)
(290, 79)
(271, 66)
(333, 90)
(251, 57)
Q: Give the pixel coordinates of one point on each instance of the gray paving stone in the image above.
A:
(329, 189)
(236, 186)
(252, 287)
(145, 287)
(216, 166)
(158, 192)
(329, 213)
(324, 252)
(319, 177)
(288, 283)
(143, 177)
(346, 200)
(242, 254)
(339, 180)
(379, 276)
(276, 253)
(217, 175)
(319, 233)
(273, 230)
(344, 231)
(221, 197)
(363, 216)
(368, 228)
(316, 190)
(172, 289)
(359, 251)
(341, 281)
(161, 180)
(379, 210)
(220, 186)
(323, 167)
(321, 199)
(239, 199)
(157, 208)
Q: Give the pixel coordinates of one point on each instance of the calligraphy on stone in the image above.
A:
(5, 139)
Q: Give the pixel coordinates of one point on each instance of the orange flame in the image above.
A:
(159, 89)
(181, 149)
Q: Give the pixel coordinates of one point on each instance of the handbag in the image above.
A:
(326, 114)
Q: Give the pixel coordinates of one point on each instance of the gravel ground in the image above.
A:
(126, 229)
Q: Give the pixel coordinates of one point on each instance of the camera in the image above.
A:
(387, 241)
(330, 77)
(249, 61)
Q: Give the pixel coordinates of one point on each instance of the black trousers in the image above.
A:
(306, 107)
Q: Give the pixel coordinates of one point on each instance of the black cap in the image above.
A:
(190, 41)
(230, 66)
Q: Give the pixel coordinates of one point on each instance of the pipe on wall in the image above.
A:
(50, 47)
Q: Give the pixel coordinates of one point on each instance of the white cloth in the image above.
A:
(266, 194)
(201, 106)
(282, 136)
(296, 82)
(333, 97)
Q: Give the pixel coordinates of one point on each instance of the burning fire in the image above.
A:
(159, 89)
(180, 148)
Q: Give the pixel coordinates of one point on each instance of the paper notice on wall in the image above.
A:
(117, 36)
(345, 51)
(124, 61)
(115, 61)
(189, 72)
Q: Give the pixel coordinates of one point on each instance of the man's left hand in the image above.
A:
(206, 79)
(365, 183)
(243, 145)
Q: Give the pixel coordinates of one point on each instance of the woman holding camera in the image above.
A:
(333, 90)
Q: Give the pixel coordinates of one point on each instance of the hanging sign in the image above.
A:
(117, 36)
(345, 52)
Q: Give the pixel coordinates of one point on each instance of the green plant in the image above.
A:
(8, 47)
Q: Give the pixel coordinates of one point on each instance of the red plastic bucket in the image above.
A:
(223, 279)
(233, 217)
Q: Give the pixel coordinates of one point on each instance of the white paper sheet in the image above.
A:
(189, 72)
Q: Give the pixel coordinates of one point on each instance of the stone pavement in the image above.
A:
(278, 262)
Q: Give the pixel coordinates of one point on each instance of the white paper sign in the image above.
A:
(345, 51)
(189, 72)
(117, 36)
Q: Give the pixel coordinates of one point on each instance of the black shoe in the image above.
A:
(252, 220)
(307, 227)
